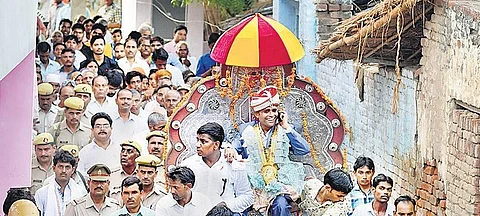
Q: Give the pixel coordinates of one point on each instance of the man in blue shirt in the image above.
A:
(206, 62)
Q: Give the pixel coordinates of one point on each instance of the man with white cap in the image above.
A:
(46, 110)
(72, 131)
(268, 140)
(96, 201)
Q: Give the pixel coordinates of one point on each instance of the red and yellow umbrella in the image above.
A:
(257, 41)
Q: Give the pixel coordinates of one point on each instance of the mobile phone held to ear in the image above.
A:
(280, 116)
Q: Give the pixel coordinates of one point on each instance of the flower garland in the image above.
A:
(309, 140)
(345, 163)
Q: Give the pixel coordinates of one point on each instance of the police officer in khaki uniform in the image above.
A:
(155, 144)
(72, 131)
(96, 202)
(42, 163)
(47, 111)
(146, 172)
(131, 150)
(84, 92)
(77, 176)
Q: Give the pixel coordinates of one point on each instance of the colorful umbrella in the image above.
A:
(257, 41)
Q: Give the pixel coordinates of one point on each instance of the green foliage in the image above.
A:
(231, 7)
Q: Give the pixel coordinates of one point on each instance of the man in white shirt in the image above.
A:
(160, 58)
(182, 201)
(125, 124)
(220, 180)
(382, 191)
(46, 110)
(52, 199)
(130, 61)
(101, 149)
(100, 102)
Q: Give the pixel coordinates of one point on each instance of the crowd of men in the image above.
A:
(103, 104)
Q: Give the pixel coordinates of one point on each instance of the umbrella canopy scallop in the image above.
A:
(257, 41)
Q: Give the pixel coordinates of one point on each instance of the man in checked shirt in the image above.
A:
(363, 169)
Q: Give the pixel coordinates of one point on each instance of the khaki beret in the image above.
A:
(74, 103)
(72, 149)
(134, 144)
(45, 89)
(23, 207)
(99, 172)
(161, 74)
(156, 133)
(148, 160)
(83, 88)
(43, 139)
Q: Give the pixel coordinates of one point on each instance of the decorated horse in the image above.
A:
(255, 53)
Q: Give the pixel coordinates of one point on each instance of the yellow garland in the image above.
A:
(345, 163)
(309, 140)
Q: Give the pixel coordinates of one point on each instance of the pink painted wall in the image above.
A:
(16, 106)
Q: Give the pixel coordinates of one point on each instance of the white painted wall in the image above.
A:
(16, 42)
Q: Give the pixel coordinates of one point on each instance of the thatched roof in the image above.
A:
(372, 35)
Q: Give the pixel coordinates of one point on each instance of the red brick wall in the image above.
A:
(431, 192)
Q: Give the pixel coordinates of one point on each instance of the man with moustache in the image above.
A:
(131, 150)
(156, 142)
(72, 131)
(53, 198)
(77, 176)
(132, 188)
(84, 92)
(100, 102)
(95, 202)
(382, 191)
(126, 124)
(46, 110)
(101, 149)
(44, 146)
(147, 172)
(68, 58)
(130, 60)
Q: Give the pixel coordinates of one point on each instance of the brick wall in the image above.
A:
(449, 76)
(431, 197)
(329, 14)
(463, 174)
